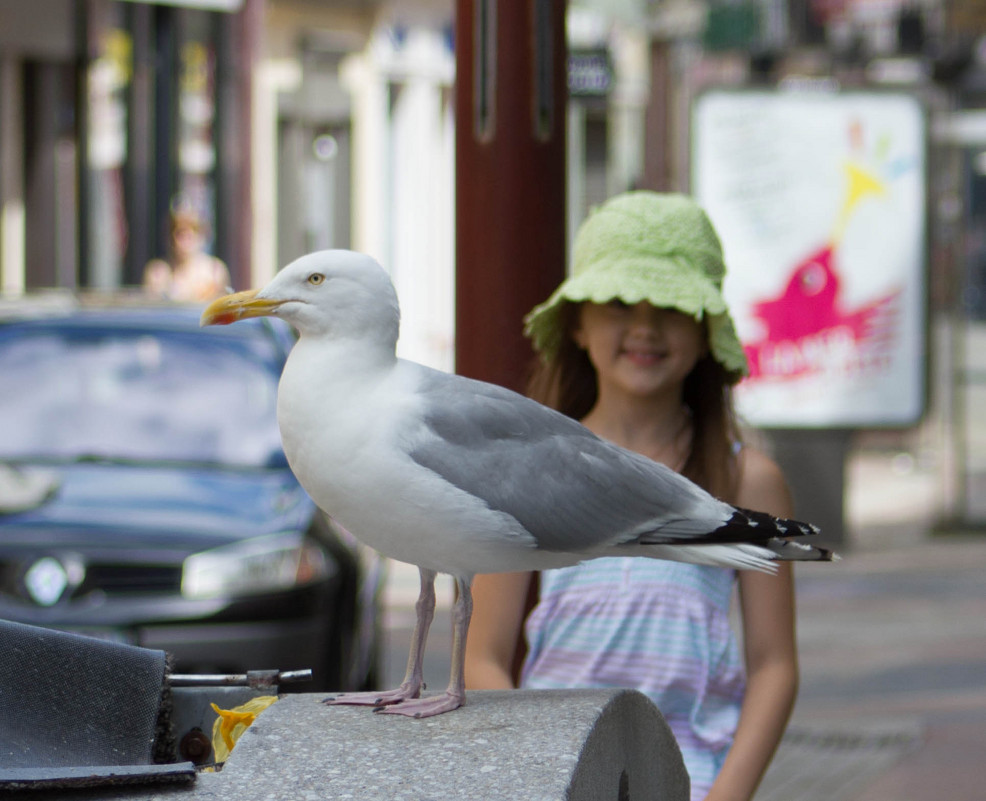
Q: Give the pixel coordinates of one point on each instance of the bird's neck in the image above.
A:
(335, 372)
(325, 393)
(341, 356)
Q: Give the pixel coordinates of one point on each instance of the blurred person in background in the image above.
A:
(189, 274)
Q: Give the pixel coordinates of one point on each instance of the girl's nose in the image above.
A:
(645, 315)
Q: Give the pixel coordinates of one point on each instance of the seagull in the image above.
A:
(459, 476)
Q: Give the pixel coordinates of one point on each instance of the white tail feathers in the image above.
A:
(741, 556)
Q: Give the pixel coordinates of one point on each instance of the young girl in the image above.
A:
(638, 345)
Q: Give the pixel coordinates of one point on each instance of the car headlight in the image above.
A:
(254, 567)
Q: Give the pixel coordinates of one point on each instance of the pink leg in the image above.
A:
(413, 678)
(455, 695)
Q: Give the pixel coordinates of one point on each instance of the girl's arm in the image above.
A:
(499, 606)
(770, 647)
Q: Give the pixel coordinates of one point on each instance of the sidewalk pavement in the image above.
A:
(893, 677)
(892, 644)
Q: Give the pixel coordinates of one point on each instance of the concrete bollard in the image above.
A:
(578, 745)
(538, 745)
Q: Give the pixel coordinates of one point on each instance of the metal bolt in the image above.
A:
(196, 747)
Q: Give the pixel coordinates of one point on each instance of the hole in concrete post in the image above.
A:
(543, 77)
(624, 791)
(484, 77)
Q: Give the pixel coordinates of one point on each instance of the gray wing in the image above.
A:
(570, 489)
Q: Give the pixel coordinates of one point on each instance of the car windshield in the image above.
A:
(149, 395)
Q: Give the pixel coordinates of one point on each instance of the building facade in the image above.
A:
(294, 125)
(113, 114)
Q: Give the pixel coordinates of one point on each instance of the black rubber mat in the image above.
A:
(73, 701)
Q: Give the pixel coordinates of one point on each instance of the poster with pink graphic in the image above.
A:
(819, 199)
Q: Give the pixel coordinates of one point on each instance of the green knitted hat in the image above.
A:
(646, 246)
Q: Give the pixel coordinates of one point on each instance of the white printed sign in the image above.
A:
(819, 200)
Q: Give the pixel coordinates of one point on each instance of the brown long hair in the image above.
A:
(568, 383)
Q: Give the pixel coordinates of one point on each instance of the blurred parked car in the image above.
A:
(163, 511)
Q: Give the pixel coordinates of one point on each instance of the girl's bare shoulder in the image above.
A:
(762, 485)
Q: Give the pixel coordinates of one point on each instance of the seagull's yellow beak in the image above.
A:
(238, 306)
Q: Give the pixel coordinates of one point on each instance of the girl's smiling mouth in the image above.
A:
(643, 357)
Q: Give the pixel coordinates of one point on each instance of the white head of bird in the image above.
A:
(330, 294)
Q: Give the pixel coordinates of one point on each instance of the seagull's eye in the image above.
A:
(315, 279)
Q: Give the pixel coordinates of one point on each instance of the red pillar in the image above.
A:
(658, 123)
(510, 98)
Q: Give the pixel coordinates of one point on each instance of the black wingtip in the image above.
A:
(746, 525)
(775, 533)
(794, 551)
(778, 526)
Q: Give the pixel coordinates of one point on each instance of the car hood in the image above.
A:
(170, 505)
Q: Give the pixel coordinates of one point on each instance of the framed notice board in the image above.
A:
(820, 201)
